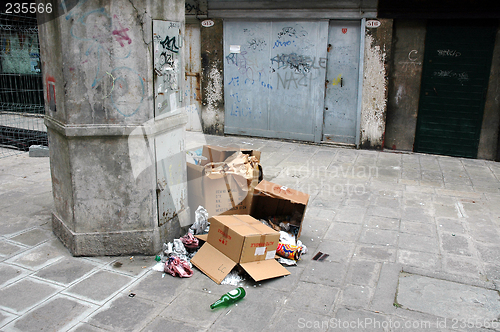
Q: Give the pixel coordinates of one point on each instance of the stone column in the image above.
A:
(99, 75)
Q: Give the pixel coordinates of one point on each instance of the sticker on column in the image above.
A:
(173, 102)
(234, 49)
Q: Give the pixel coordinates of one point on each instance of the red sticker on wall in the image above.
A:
(344, 30)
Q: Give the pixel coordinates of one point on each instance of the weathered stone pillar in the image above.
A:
(103, 124)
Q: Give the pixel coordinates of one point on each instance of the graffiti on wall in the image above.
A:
(167, 65)
(113, 80)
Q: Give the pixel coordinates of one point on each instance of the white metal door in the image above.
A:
(341, 97)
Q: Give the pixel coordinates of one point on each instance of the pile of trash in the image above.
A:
(176, 256)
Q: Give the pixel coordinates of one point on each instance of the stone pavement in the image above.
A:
(413, 241)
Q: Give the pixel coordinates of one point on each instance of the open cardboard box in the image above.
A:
(220, 194)
(271, 199)
(243, 240)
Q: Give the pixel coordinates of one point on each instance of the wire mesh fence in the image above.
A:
(21, 86)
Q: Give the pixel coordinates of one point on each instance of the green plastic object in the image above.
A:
(229, 298)
(157, 258)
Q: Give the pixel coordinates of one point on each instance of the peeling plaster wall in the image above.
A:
(404, 85)
(212, 86)
(375, 85)
(489, 141)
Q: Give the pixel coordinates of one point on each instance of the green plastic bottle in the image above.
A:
(229, 298)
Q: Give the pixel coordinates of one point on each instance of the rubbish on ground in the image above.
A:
(178, 267)
(131, 295)
(190, 242)
(232, 278)
(303, 246)
(224, 182)
(159, 267)
(229, 298)
(287, 238)
(158, 258)
(286, 261)
(201, 224)
(243, 240)
(320, 256)
(289, 251)
(279, 205)
(117, 264)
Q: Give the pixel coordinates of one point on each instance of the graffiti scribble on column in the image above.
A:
(169, 43)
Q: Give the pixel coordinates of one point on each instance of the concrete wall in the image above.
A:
(404, 83)
(212, 85)
(378, 43)
(489, 139)
(98, 75)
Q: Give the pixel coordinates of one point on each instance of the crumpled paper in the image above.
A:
(201, 224)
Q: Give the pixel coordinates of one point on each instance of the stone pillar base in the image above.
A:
(144, 242)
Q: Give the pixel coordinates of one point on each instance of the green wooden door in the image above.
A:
(455, 76)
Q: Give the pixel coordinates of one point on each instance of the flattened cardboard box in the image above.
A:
(220, 194)
(239, 239)
(271, 199)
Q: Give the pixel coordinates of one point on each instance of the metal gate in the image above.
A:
(455, 75)
(274, 78)
(341, 97)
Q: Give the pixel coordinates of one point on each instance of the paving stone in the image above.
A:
(357, 296)
(489, 253)
(41, 255)
(416, 242)
(32, 237)
(283, 283)
(57, 314)
(198, 303)
(159, 324)
(379, 236)
(462, 266)
(492, 272)
(66, 270)
(296, 320)
(419, 259)
(419, 214)
(84, 327)
(347, 319)
(487, 232)
(6, 317)
(11, 273)
(351, 214)
(8, 249)
(126, 314)
(382, 223)
(375, 253)
(433, 296)
(321, 303)
(170, 287)
(413, 227)
(99, 286)
(344, 232)
(363, 273)
(456, 244)
(133, 266)
(326, 272)
(450, 225)
(24, 294)
(249, 314)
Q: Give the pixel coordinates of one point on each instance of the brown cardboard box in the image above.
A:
(271, 199)
(239, 239)
(220, 194)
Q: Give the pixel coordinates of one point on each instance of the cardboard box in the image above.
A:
(243, 240)
(220, 194)
(271, 199)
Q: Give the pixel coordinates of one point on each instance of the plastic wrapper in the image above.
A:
(289, 251)
(286, 261)
(200, 225)
(287, 238)
(233, 279)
